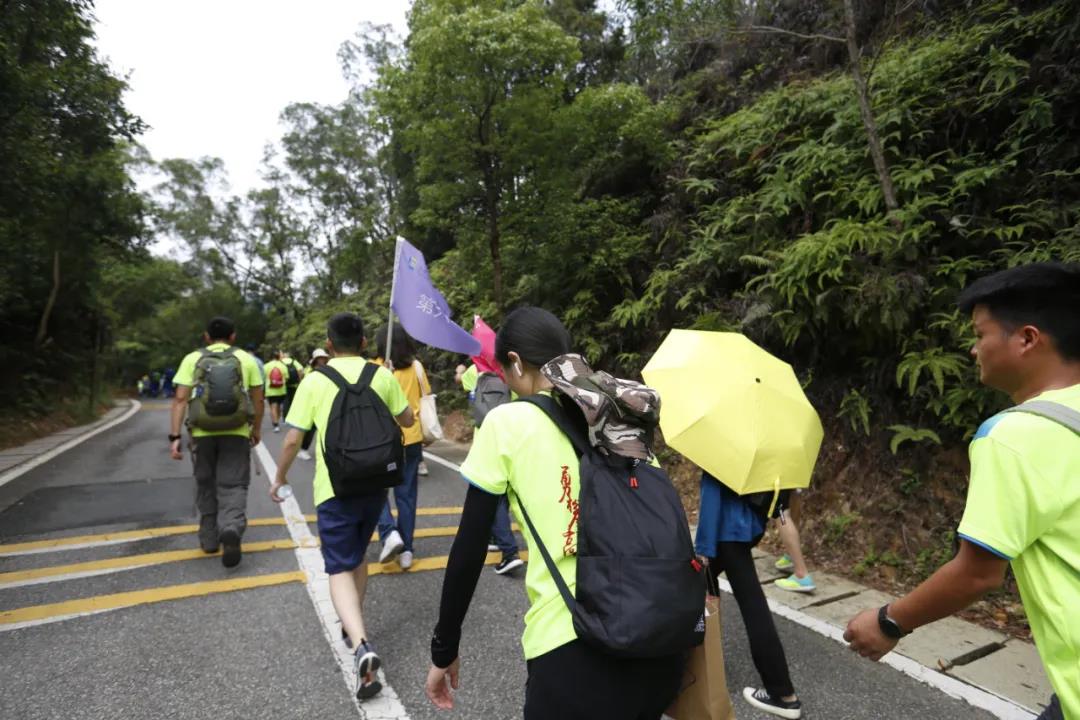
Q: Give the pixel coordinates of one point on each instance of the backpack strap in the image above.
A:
(334, 376)
(1061, 414)
(557, 414)
(560, 583)
(366, 376)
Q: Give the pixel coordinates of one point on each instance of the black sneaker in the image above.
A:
(367, 662)
(761, 699)
(230, 554)
(508, 563)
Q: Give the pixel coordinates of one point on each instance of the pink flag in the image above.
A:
(485, 361)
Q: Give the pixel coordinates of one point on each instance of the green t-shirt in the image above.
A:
(520, 452)
(185, 375)
(276, 391)
(315, 397)
(1023, 504)
(468, 379)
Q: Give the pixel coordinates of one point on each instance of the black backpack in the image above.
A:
(294, 374)
(640, 590)
(362, 444)
(490, 393)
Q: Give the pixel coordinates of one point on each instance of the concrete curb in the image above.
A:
(948, 647)
(44, 449)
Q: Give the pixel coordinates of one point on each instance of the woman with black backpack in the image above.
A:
(520, 452)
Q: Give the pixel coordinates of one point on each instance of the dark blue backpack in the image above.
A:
(640, 591)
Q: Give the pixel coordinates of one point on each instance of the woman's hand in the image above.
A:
(436, 687)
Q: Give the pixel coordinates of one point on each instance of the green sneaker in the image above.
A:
(795, 584)
(784, 564)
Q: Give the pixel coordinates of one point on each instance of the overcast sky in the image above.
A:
(210, 77)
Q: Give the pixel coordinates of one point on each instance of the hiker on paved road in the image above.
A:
(348, 508)
(1023, 504)
(221, 391)
(277, 377)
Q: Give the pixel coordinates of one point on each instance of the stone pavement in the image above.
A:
(1005, 667)
(12, 458)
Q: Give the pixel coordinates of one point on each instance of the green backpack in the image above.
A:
(219, 400)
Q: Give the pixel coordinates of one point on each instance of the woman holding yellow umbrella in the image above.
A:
(746, 422)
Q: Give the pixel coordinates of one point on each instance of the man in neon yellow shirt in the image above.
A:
(1023, 503)
(221, 390)
(346, 523)
(277, 380)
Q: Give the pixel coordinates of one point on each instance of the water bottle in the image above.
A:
(285, 492)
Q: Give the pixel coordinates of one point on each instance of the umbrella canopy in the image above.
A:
(735, 410)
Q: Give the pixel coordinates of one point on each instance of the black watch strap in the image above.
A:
(889, 626)
(174, 438)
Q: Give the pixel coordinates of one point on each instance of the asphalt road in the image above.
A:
(262, 651)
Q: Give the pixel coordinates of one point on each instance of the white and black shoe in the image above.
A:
(508, 563)
(392, 545)
(367, 662)
(762, 700)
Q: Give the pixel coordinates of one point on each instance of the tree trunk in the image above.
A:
(877, 153)
(491, 202)
(43, 326)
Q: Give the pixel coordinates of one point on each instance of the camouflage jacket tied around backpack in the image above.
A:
(621, 414)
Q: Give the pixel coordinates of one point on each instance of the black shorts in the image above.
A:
(276, 400)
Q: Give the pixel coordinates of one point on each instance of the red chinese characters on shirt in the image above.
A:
(570, 536)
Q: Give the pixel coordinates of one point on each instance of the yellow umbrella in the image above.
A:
(735, 410)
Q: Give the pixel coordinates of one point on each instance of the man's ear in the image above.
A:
(329, 346)
(232, 339)
(1030, 337)
(363, 344)
(206, 338)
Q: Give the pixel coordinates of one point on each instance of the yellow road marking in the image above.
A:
(133, 561)
(147, 533)
(145, 597)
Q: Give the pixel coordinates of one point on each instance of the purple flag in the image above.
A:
(423, 311)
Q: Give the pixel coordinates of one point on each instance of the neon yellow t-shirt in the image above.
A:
(185, 375)
(469, 378)
(276, 391)
(520, 452)
(315, 397)
(1024, 505)
(410, 385)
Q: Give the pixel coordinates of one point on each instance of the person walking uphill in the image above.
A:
(1023, 503)
(397, 537)
(221, 391)
(357, 408)
(276, 374)
(520, 451)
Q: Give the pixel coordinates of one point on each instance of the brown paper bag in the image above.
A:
(704, 693)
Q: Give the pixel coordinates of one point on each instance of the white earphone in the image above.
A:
(517, 369)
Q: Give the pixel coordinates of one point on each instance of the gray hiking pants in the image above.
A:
(222, 475)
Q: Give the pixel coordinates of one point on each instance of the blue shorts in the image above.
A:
(345, 529)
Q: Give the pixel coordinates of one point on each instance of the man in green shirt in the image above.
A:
(345, 523)
(1023, 504)
(221, 391)
(276, 373)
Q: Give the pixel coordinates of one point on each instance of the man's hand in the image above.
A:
(277, 485)
(175, 450)
(437, 688)
(864, 636)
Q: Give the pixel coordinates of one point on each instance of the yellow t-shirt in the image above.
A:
(1023, 504)
(185, 375)
(519, 451)
(315, 397)
(276, 391)
(410, 385)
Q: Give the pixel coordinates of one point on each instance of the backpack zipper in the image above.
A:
(633, 475)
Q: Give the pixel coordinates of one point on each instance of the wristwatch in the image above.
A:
(174, 438)
(890, 627)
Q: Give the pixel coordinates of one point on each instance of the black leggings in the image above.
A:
(735, 559)
(576, 682)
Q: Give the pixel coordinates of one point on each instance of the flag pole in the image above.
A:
(390, 318)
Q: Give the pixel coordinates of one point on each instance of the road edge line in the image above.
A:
(953, 687)
(48, 455)
(386, 705)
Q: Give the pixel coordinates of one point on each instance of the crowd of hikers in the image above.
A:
(617, 587)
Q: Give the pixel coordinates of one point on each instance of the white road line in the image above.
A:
(384, 706)
(994, 704)
(47, 456)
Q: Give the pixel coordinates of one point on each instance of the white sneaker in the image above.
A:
(277, 429)
(422, 470)
(304, 455)
(405, 560)
(392, 544)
